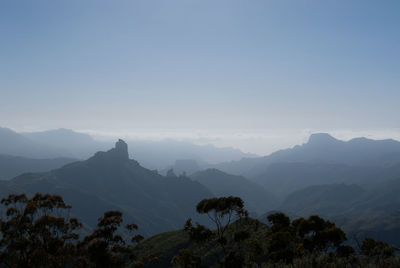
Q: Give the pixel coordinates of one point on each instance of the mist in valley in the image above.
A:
(199, 134)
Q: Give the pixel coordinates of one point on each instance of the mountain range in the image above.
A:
(65, 143)
(11, 166)
(255, 197)
(347, 182)
(321, 148)
(110, 180)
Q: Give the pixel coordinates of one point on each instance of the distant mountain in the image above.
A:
(110, 180)
(285, 177)
(163, 154)
(362, 212)
(332, 200)
(183, 166)
(11, 166)
(12, 143)
(255, 197)
(322, 148)
(343, 200)
(158, 155)
(79, 145)
(384, 228)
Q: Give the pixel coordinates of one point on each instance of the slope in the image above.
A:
(110, 180)
(256, 198)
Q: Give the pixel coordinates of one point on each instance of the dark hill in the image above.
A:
(341, 200)
(256, 198)
(322, 148)
(11, 166)
(110, 180)
(286, 177)
(364, 212)
(333, 200)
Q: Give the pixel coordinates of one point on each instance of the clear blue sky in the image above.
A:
(210, 65)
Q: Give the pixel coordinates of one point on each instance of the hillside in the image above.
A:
(160, 155)
(166, 245)
(322, 148)
(13, 143)
(256, 198)
(345, 200)
(110, 180)
(12, 166)
(285, 178)
(80, 145)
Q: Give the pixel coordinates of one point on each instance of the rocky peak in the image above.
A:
(321, 139)
(121, 149)
(117, 154)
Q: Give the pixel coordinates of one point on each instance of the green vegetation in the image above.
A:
(111, 181)
(38, 232)
(303, 242)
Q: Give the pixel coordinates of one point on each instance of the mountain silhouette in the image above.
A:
(110, 180)
(322, 148)
(13, 143)
(11, 166)
(255, 197)
(160, 155)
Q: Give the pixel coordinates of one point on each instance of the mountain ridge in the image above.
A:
(321, 148)
(113, 181)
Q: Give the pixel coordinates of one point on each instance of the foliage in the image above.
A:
(186, 259)
(37, 232)
(221, 211)
(34, 232)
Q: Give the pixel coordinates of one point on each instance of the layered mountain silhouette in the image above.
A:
(345, 200)
(322, 148)
(71, 144)
(110, 180)
(344, 181)
(183, 166)
(79, 145)
(255, 197)
(13, 143)
(286, 177)
(11, 166)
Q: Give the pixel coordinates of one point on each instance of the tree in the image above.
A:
(222, 211)
(198, 233)
(34, 232)
(38, 232)
(282, 245)
(317, 235)
(106, 248)
(186, 259)
(304, 236)
(377, 251)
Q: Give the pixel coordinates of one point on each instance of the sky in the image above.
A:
(254, 75)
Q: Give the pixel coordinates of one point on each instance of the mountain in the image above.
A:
(11, 166)
(160, 155)
(79, 145)
(322, 148)
(183, 166)
(331, 200)
(163, 154)
(286, 177)
(255, 197)
(360, 211)
(110, 180)
(12, 143)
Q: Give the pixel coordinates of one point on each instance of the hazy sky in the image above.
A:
(250, 74)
